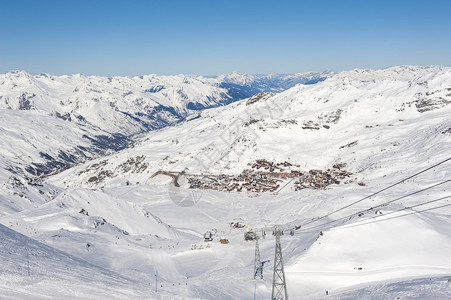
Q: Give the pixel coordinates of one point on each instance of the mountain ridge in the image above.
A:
(357, 165)
(311, 112)
(103, 113)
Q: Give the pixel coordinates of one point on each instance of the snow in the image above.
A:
(418, 288)
(99, 114)
(381, 116)
(385, 124)
(407, 239)
(32, 270)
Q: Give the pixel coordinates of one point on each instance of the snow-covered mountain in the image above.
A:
(136, 211)
(128, 105)
(360, 122)
(244, 86)
(51, 122)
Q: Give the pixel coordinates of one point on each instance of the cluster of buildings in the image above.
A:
(319, 179)
(246, 181)
(266, 176)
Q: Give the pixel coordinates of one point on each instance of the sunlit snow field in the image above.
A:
(134, 235)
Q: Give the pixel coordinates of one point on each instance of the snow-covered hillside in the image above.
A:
(363, 123)
(117, 104)
(134, 104)
(50, 122)
(133, 211)
(36, 271)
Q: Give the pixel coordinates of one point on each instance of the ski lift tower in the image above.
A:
(279, 286)
(257, 262)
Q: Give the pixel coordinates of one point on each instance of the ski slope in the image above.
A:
(32, 270)
(371, 242)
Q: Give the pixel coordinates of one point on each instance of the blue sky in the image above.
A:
(100, 37)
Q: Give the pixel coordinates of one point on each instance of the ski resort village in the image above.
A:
(225, 150)
(306, 186)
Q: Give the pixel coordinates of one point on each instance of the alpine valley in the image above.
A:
(146, 187)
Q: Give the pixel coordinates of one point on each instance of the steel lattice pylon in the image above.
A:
(279, 287)
(257, 262)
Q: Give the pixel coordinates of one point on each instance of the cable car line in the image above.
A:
(395, 211)
(309, 230)
(395, 217)
(378, 192)
(379, 205)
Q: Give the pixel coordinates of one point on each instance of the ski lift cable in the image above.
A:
(281, 278)
(392, 212)
(286, 227)
(380, 216)
(378, 192)
(380, 205)
(395, 217)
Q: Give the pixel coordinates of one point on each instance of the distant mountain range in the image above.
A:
(61, 120)
(106, 179)
(359, 117)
